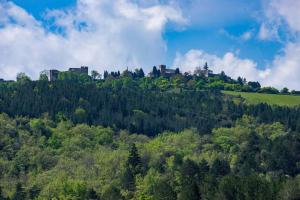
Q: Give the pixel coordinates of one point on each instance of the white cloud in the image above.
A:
(246, 35)
(266, 33)
(286, 68)
(280, 20)
(288, 10)
(99, 33)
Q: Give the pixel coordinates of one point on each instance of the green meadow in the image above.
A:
(272, 99)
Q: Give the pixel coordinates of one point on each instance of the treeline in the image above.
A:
(200, 79)
(123, 104)
(42, 159)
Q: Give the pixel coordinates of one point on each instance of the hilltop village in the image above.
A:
(160, 77)
(162, 70)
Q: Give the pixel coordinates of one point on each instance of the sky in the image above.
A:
(257, 39)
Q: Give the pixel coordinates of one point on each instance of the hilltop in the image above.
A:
(162, 78)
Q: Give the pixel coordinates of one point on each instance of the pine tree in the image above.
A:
(128, 180)
(105, 76)
(134, 160)
(205, 67)
(133, 167)
(154, 72)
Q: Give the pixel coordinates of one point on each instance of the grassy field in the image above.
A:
(273, 99)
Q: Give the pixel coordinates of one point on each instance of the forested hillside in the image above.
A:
(144, 138)
(139, 105)
(41, 159)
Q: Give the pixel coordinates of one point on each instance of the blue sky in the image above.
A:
(247, 38)
(216, 33)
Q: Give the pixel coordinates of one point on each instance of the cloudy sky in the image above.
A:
(256, 39)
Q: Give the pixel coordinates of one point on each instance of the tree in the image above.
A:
(140, 73)
(290, 189)
(205, 67)
(230, 188)
(220, 167)
(128, 179)
(95, 75)
(105, 75)
(133, 168)
(248, 160)
(92, 195)
(284, 91)
(43, 76)
(112, 193)
(1, 195)
(134, 160)
(80, 115)
(269, 90)
(189, 181)
(163, 190)
(254, 85)
(155, 73)
(177, 71)
(33, 192)
(203, 168)
(22, 77)
(240, 81)
(154, 186)
(223, 76)
(19, 193)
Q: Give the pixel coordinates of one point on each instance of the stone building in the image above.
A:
(53, 74)
(166, 72)
(82, 70)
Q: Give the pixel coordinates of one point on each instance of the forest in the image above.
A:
(130, 136)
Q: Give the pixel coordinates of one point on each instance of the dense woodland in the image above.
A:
(128, 136)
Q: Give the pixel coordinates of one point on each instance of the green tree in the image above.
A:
(231, 187)
(164, 191)
(290, 189)
(92, 195)
(205, 67)
(43, 76)
(190, 178)
(220, 167)
(1, 195)
(80, 115)
(19, 194)
(22, 77)
(285, 91)
(140, 73)
(95, 75)
(128, 179)
(134, 161)
(112, 193)
(133, 167)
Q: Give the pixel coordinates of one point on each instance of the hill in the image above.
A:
(130, 136)
(272, 99)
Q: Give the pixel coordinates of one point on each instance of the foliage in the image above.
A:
(44, 159)
(129, 136)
